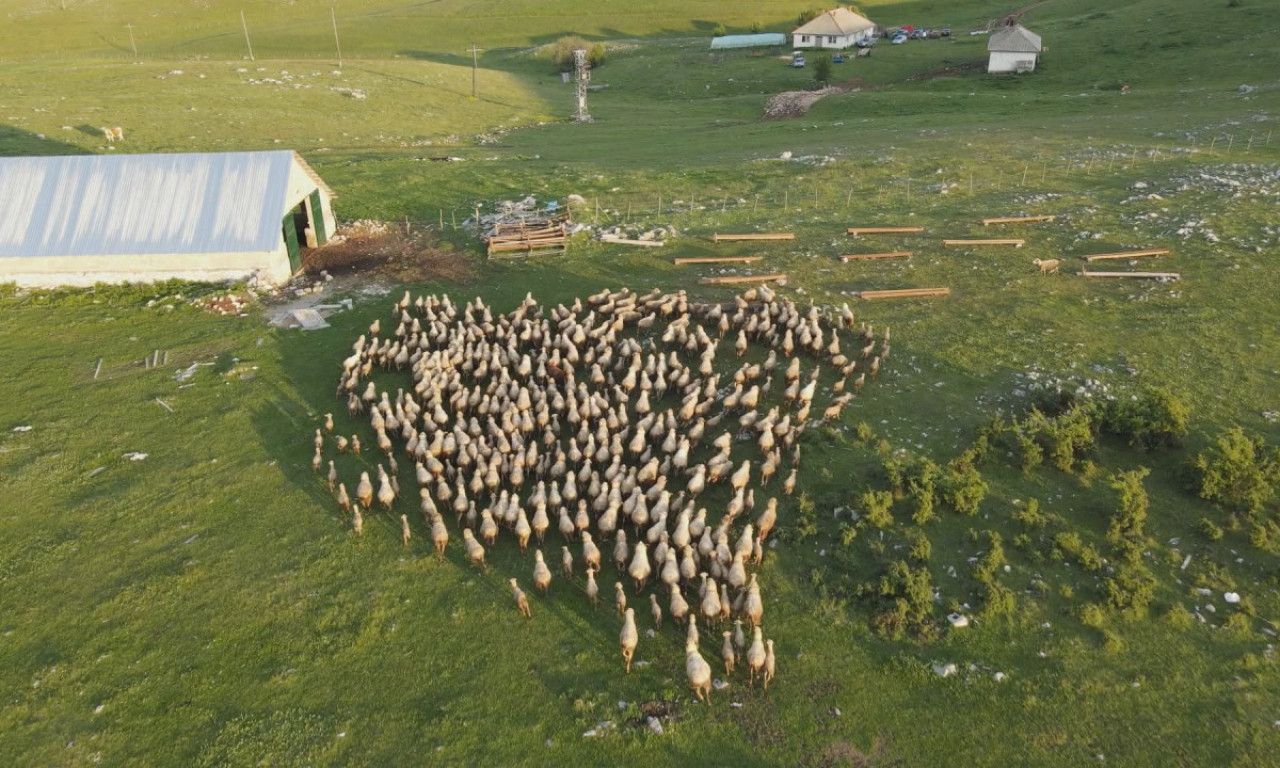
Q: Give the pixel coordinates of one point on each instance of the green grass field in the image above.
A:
(209, 606)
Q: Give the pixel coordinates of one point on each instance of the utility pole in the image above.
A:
(475, 66)
(245, 25)
(132, 44)
(336, 43)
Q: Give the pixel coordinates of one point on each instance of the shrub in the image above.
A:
(822, 70)
(1091, 615)
(807, 524)
(965, 490)
(562, 52)
(921, 548)
(807, 16)
(1030, 454)
(992, 561)
(1238, 472)
(756, 27)
(1265, 535)
(1130, 591)
(1210, 530)
(863, 433)
(1153, 419)
(876, 507)
(719, 31)
(1030, 515)
(847, 534)
(1178, 616)
(1127, 522)
(998, 601)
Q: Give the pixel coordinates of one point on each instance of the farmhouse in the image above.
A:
(1013, 49)
(837, 29)
(79, 220)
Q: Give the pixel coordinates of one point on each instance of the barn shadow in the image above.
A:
(19, 142)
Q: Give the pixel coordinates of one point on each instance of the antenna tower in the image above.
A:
(583, 78)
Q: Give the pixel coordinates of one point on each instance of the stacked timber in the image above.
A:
(543, 235)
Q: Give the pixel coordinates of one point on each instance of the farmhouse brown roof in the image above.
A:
(1014, 39)
(841, 21)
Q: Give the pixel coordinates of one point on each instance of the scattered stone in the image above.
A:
(719, 685)
(945, 670)
(655, 725)
(135, 456)
(958, 620)
(1000, 677)
(1232, 597)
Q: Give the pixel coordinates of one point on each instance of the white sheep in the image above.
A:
(628, 638)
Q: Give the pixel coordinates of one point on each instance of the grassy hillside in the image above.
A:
(208, 605)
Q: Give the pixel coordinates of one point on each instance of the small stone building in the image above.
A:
(1013, 49)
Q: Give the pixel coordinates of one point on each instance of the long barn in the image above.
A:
(83, 219)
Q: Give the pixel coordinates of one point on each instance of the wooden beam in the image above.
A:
(906, 293)
(718, 260)
(1126, 254)
(870, 256)
(1017, 220)
(741, 279)
(963, 243)
(1136, 275)
(717, 238)
(624, 241)
(882, 230)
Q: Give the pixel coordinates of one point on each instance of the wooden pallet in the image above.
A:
(871, 256)
(964, 243)
(883, 230)
(1017, 220)
(732, 280)
(717, 260)
(1134, 275)
(905, 293)
(718, 238)
(1126, 254)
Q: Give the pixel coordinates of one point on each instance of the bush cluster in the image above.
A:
(562, 52)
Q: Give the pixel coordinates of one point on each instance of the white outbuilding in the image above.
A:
(82, 219)
(1013, 49)
(836, 29)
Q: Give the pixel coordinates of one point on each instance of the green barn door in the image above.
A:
(317, 218)
(291, 243)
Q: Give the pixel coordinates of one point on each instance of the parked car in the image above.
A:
(866, 42)
(946, 32)
(798, 62)
(899, 38)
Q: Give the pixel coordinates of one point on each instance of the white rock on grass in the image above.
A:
(1232, 597)
(944, 670)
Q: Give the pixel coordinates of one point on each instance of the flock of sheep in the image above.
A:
(594, 419)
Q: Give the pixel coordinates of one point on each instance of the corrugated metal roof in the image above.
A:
(86, 205)
(840, 22)
(748, 41)
(1015, 39)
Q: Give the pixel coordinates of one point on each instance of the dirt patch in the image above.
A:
(796, 103)
(383, 250)
(950, 70)
(843, 754)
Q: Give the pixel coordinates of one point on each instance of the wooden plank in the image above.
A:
(1135, 275)
(741, 279)
(1016, 220)
(962, 243)
(906, 293)
(718, 260)
(1126, 254)
(882, 230)
(624, 241)
(526, 245)
(717, 238)
(870, 256)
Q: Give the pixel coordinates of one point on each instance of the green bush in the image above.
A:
(876, 506)
(965, 490)
(822, 70)
(1178, 616)
(989, 565)
(1238, 472)
(1127, 522)
(1130, 591)
(1155, 418)
(921, 548)
(1030, 516)
(998, 601)
(562, 52)
(807, 16)
(1210, 530)
(756, 28)
(719, 31)
(1091, 615)
(807, 524)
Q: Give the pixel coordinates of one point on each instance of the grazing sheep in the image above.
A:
(439, 536)
(475, 550)
(698, 671)
(628, 638)
(328, 423)
(344, 501)
(640, 569)
(1047, 266)
(112, 134)
(405, 533)
(317, 460)
(566, 562)
(756, 656)
(333, 475)
(593, 590)
(620, 597)
(364, 491)
(541, 573)
(522, 602)
(726, 651)
(357, 520)
(770, 662)
(656, 610)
